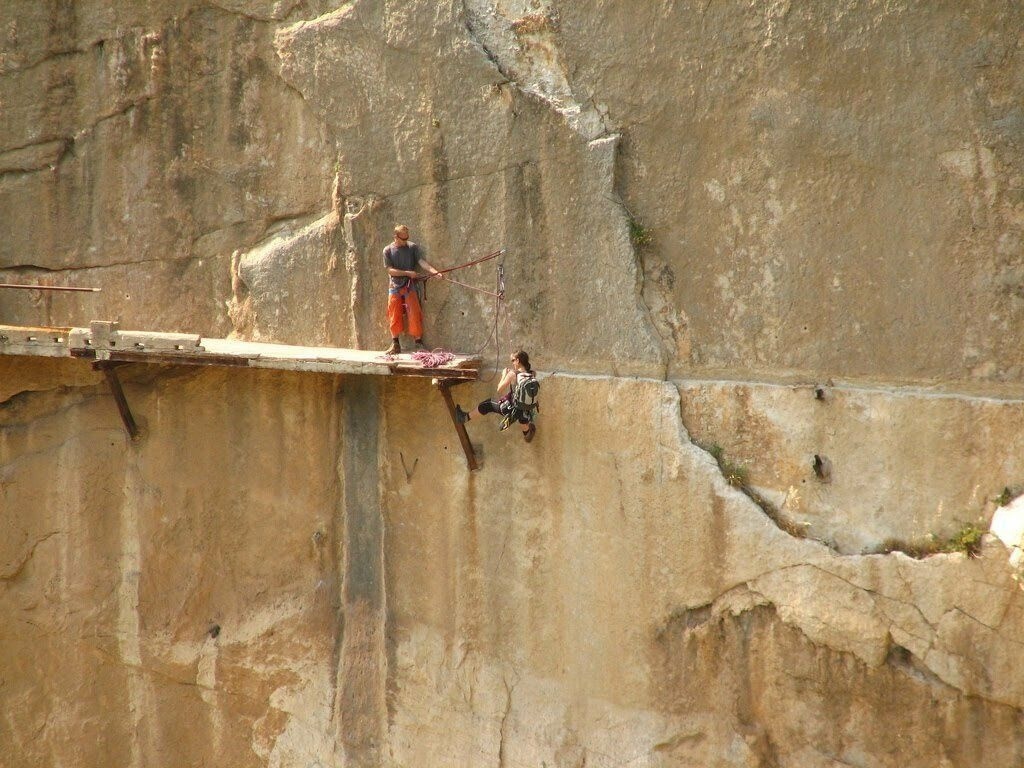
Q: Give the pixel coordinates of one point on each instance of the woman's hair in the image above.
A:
(524, 360)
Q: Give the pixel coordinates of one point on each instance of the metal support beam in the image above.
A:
(445, 385)
(122, 403)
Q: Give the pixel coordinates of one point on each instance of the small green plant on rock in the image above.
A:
(736, 475)
(1004, 498)
(966, 540)
(639, 235)
(716, 451)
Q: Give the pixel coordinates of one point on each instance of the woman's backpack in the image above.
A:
(523, 400)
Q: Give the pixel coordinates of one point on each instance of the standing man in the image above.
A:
(401, 259)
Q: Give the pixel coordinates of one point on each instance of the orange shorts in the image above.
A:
(405, 302)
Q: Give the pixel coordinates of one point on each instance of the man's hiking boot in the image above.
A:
(460, 415)
(529, 433)
(394, 349)
(420, 346)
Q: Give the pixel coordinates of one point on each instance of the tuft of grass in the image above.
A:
(735, 474)
(716, 451)
(966, 540)
(738, 477)
(639, 235)
(1004, 498)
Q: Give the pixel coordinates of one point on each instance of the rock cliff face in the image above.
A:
(789, 236)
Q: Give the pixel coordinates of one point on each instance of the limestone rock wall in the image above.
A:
(209, 595)
(141, 144)
(831, 188)
(893, 465)
(710, 211)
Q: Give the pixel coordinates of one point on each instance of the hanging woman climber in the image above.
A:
(518, 404)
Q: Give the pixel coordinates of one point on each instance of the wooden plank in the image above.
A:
(122, 402)
(467, 447)
(461, 374)
(170, 358)
(104, 341)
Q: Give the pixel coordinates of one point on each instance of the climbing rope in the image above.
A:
(471, 287)
(433, 358)
(499, 310)
(481, 260)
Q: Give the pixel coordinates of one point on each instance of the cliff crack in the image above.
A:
(106, 265)
(15, 69)
(20, 567)
(60, 147)
(440, 182)
(976, 620)
(121, 112)
(502, 733)
(874, 593)
(899, 657)
(34, 144)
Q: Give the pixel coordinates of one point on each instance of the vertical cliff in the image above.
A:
(784, 237)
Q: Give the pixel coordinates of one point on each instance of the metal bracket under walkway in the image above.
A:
(108, 347)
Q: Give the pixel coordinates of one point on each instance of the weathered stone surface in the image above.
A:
(293, 570)
(831, 189)
(143, 139)
(560, 604)
(515, 175)
(903, 465)
(587, 560)
(533, 608)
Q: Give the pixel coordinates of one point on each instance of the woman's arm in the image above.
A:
(506, 379)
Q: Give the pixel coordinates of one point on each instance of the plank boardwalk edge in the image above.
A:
(105, 341)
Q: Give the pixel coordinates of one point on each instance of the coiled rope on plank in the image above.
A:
(433, 358)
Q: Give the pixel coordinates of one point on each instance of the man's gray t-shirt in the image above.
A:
(404, 257)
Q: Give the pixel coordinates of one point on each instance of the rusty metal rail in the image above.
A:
(26, 286)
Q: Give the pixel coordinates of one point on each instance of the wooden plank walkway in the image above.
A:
(106, 342)
(105, 345)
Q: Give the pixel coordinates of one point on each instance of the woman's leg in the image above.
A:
(485, 407)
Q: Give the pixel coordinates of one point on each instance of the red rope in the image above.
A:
(488, 257)
(432, 359)
(473, 287)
